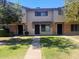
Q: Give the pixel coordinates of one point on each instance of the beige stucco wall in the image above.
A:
(30, 28)
(32, 17)
(52, 16)
(24, 15)
(58, 18)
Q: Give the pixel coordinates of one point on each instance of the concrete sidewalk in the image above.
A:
(34, 52)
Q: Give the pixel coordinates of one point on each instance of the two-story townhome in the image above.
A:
(44, 21)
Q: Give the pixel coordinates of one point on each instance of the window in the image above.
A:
(60, 12)
(37, 13)
(44, 13)
(75, 27)
(45, 28)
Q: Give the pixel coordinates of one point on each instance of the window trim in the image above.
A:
(74, 27)
(60, 11)
(45, 29)
(41, 13)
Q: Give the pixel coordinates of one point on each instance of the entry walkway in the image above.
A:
(34, 52)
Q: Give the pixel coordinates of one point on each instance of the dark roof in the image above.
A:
(45, 8)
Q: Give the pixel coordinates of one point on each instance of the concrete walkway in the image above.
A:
(34, 52)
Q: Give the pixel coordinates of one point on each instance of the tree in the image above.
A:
(72, 10)
(9, 13)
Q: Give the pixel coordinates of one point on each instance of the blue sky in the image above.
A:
(41, 3)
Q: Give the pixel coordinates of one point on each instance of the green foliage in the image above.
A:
(3, 33)
(72, 10)
(10, 13)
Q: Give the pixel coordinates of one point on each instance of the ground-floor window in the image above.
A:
(74, 27)
(45, 28)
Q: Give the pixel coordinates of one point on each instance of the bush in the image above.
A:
(3, 33)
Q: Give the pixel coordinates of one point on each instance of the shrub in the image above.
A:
(3, 33)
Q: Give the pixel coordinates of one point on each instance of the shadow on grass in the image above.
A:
(61, 43)
(16, 43)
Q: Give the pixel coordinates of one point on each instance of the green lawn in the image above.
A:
(58, 48)
(14, 48)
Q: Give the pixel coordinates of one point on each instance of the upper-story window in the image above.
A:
(44, 13)
(60, 11)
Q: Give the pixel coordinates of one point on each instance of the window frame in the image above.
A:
(41, 13)
(60, 11)
(74, 27)
(45, 29)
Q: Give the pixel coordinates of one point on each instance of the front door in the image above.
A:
(59, 29)
(20, 29)
(37, 29)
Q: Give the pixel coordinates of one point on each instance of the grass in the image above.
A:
(7, 53)
(58, 48)
(14, 48)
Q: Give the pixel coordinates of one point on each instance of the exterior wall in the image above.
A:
(30, 28)
(29, 17)
(67, 29)
(32, 17)
(24, 15)
(58, 18)
(13, 28)
(52, 16)
(44, 33)
(54, 28)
